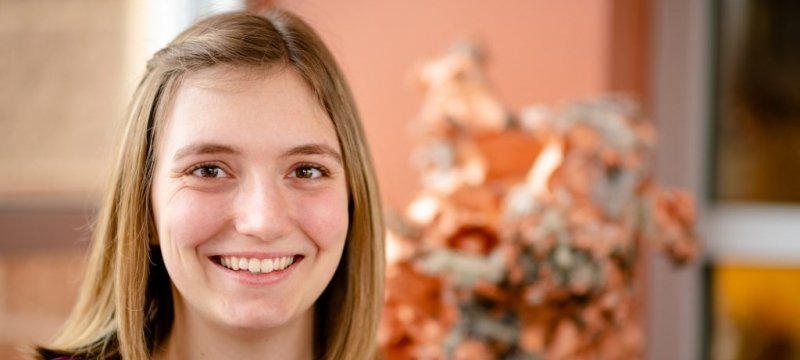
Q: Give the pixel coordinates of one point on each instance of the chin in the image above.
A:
(260, 317)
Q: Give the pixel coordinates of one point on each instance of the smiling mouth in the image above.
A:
(255, 265)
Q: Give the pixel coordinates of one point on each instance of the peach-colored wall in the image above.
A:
(538, 51)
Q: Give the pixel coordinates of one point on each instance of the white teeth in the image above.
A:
(266, 265)
(257, 266)
(254, 266)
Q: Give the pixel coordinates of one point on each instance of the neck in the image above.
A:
(196, 338)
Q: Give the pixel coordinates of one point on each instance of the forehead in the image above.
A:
(246, 106)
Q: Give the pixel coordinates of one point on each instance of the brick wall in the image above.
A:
(62, 94)
(42, 260)
(61, 102)
(37, 291)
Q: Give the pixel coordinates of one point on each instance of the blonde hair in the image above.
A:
(125, 307)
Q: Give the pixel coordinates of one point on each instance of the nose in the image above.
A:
(261, 210)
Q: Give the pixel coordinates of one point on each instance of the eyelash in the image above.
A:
(197, 167)
(324, 172)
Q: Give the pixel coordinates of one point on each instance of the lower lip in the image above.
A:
(270, 278)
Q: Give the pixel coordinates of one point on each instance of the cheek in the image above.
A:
(189, 219)
(324, 217)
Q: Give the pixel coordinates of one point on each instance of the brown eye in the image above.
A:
(307, 172)
(209, 171)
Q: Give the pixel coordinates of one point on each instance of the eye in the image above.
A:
(308, 172)
(209, 171)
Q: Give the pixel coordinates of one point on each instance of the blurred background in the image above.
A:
(720, 78)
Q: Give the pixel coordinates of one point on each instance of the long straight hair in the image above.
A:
(124, 308)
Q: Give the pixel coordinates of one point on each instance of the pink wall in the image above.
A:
(538, 51)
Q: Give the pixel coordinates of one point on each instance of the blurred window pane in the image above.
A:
(756, 312)
(757, 149)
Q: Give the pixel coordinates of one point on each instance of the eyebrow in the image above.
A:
(314, 149)
(202, 149)
(210, 148)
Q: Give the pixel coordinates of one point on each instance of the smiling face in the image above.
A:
(249, 198)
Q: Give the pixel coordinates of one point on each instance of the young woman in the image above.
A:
(243, 219)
